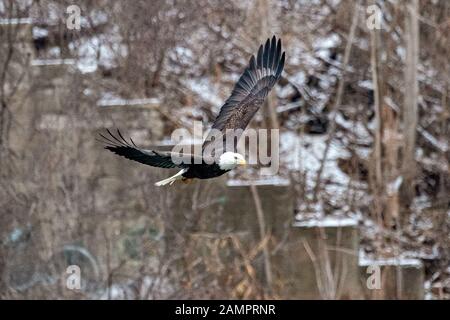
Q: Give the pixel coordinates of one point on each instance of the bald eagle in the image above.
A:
(246, 98)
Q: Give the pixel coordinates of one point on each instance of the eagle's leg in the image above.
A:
(187, 180)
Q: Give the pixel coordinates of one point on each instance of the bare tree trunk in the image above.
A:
(269, 107)
(391, 172)
(377, 152)
(337, 102)
(385, 168)
(271, 112)
(411, 94)
(263, 234)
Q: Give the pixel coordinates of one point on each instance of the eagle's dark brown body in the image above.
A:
(204, 171)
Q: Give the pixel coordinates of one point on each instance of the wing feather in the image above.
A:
(276, 59)
(280, 66)
(260, 76)
(162, 159)
(266, 56)
(273, 47)
(259, 58)
(248, 95)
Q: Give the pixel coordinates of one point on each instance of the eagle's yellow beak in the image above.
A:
(242, 162)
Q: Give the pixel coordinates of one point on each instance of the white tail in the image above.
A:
(171, 179)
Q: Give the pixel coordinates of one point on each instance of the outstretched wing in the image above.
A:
(252, 88)
(161, 159)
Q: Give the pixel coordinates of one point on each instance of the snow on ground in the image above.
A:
(182, 55)
(15, 21)
(188, 140)
(366, 84)
(116, 101)
(52, 62)
(322, 46)
(328, 221)
(206, 90)
(111, 99)
(39, 32)
(96, 17)
(148, 288)
(274, 181)
(313, 60)
(354, 127)
(101, 50)
(364, 260)
(305, 153)
(441, 145)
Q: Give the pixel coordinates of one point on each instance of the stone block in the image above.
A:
(319, 261)
(398, 278)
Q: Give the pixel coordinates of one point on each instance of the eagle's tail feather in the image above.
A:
(172, 179)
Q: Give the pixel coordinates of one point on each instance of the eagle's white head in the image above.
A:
(230, 160)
